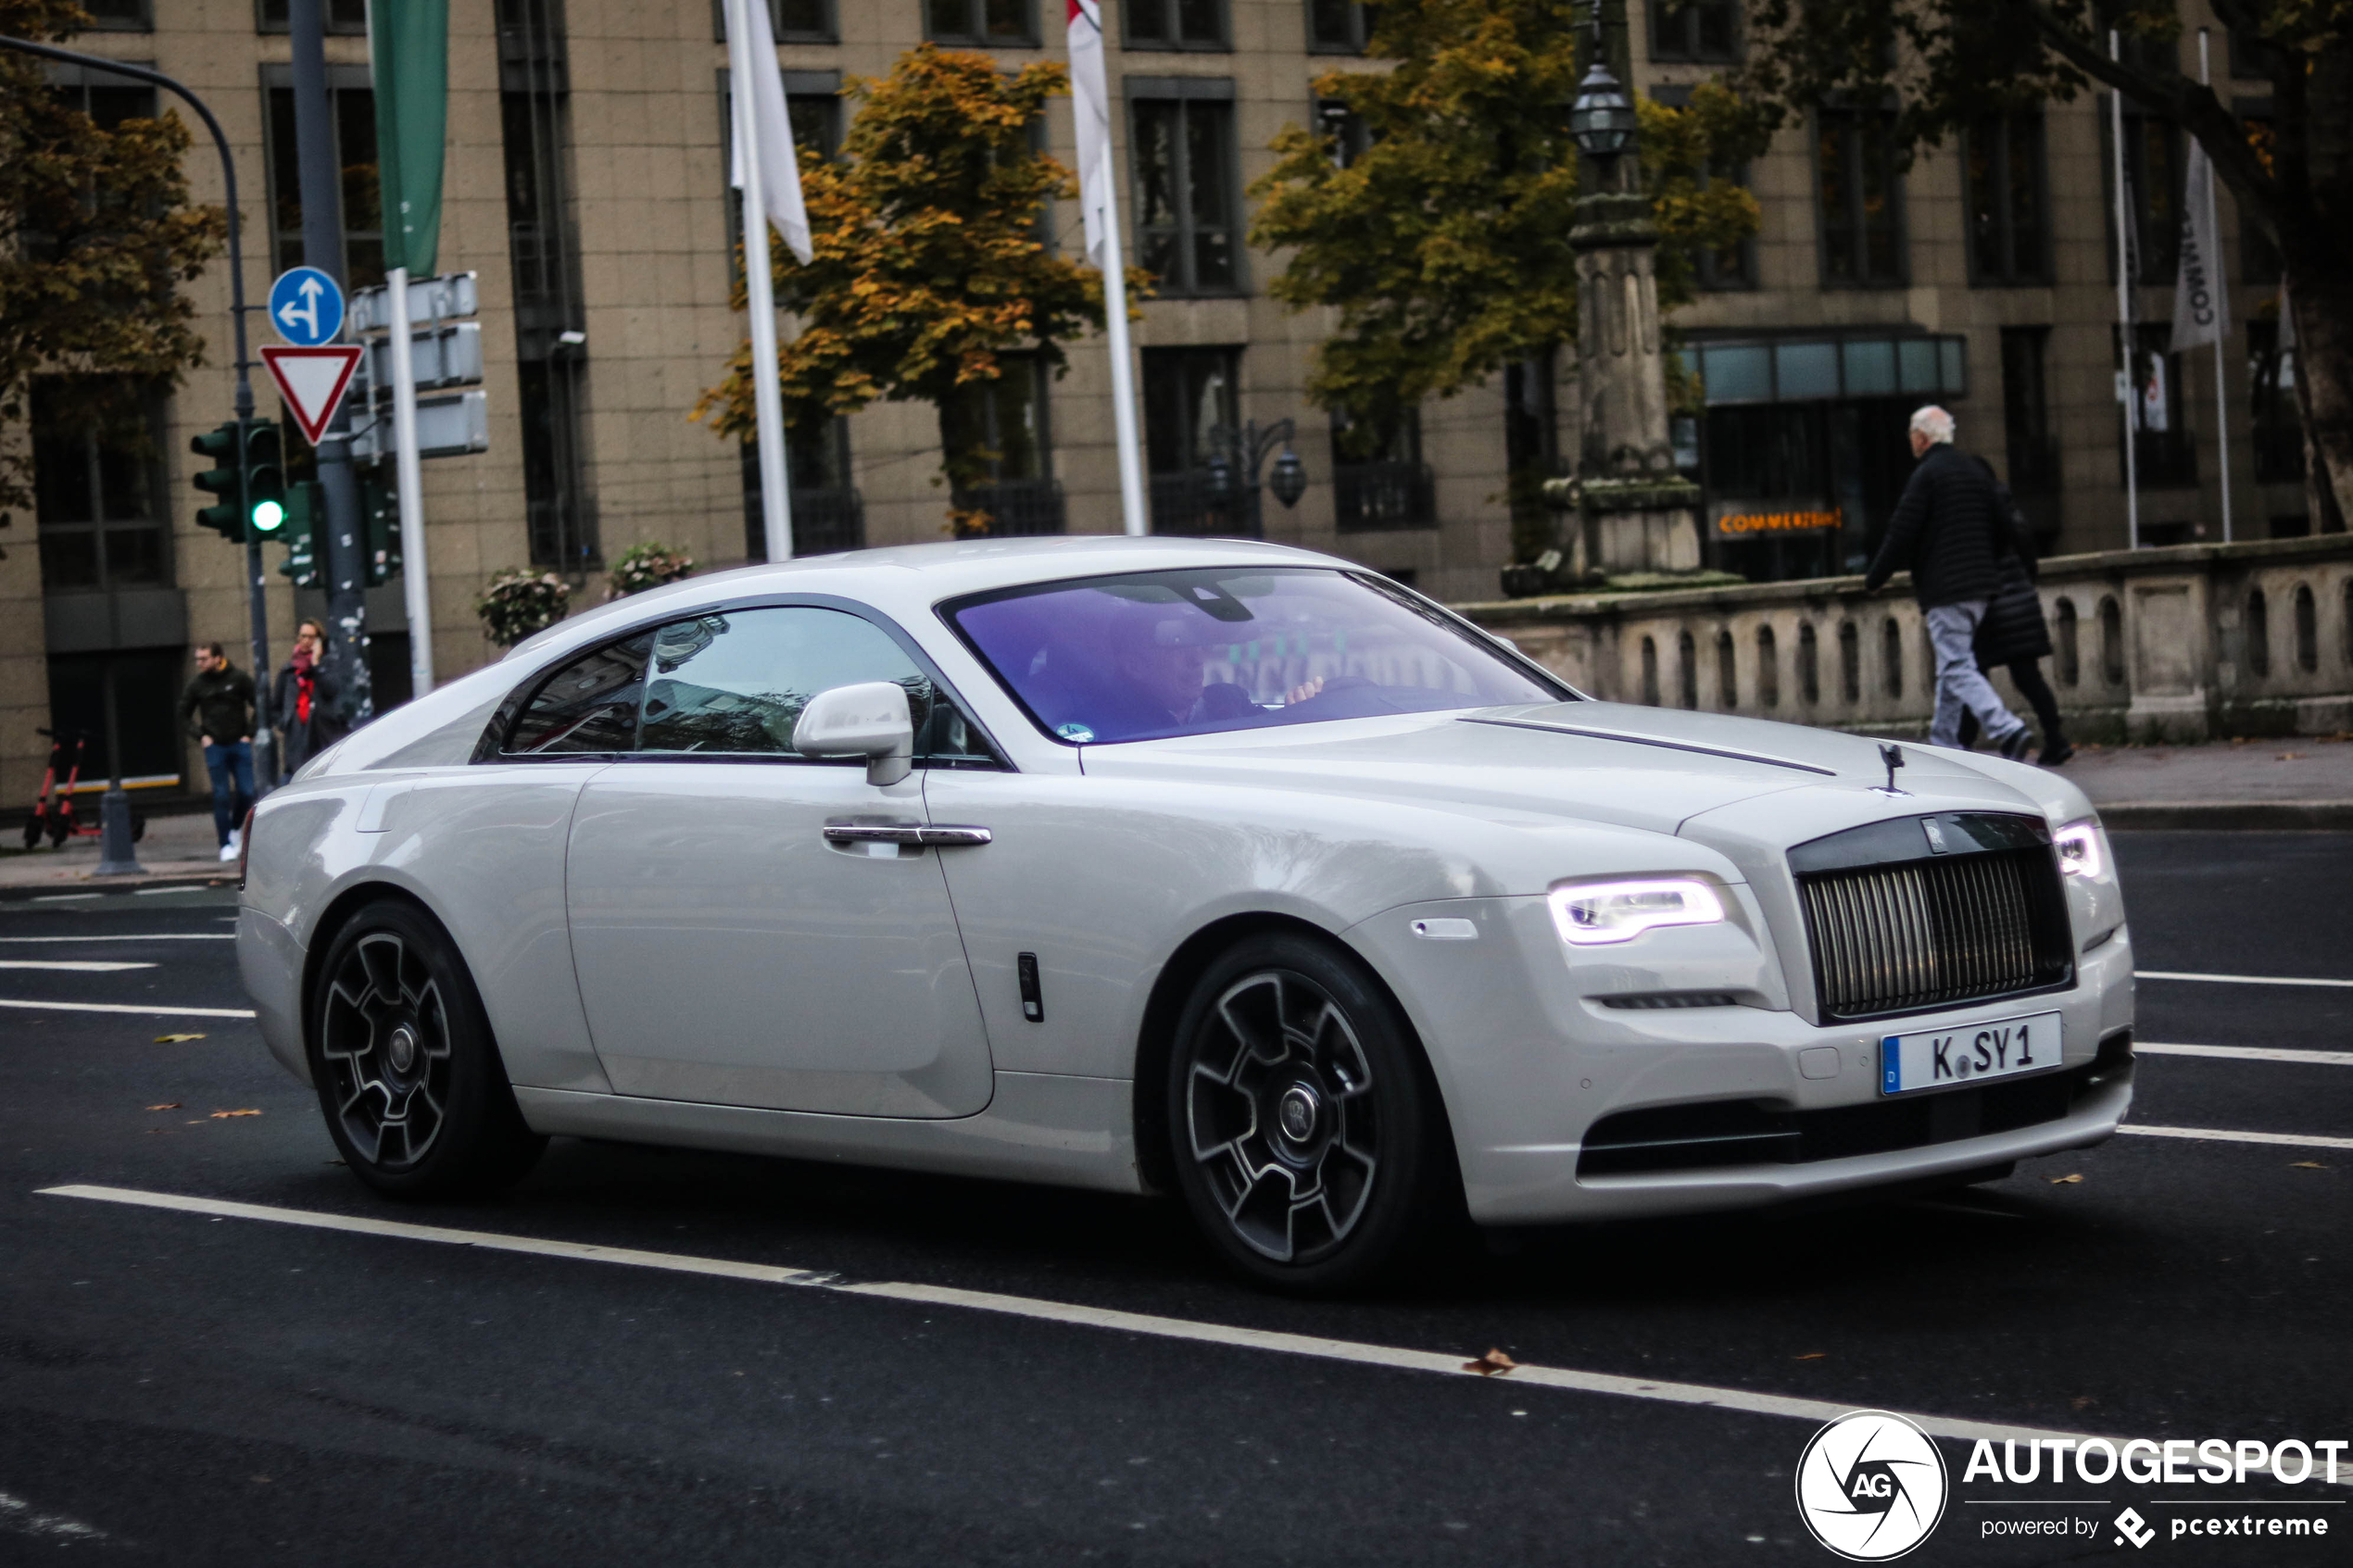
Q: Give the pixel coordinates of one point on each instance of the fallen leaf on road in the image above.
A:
(1811, 1356)
(2307, 1165)
(2061, 1181)
(176, 1039)
(1490, 1363)
(2081, 1401)
(218, 1114)
(2289, 756)
(167, 1105)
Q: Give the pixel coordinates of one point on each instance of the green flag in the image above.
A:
(408, 45)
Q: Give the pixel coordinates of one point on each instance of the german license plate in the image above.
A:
(1942, 1058)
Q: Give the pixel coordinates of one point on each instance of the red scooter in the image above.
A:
(53, 811)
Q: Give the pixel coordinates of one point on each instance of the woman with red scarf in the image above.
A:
(303, 700)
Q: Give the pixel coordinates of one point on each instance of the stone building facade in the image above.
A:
(587, 186)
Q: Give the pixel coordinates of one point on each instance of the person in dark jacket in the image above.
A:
(1945, 530)
(217, 708)
(303, 700)
(2014, 634)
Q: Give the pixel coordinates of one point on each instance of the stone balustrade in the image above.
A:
(2177, 645)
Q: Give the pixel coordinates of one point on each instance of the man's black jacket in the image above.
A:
(1947, 528)
(220, 703)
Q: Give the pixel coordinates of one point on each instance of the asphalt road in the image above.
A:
(181, 1387)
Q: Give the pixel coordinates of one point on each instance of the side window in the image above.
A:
(589, 704)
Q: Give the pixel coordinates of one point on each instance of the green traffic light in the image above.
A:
(268, 515)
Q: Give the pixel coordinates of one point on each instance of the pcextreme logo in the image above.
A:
(1871, 1486)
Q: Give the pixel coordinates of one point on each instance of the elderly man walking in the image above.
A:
(1948, 528)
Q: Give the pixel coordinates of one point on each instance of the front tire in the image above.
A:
(1305, 1135)
(406, 1071)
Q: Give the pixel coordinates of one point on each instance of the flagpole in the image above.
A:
(2124, 314)
(1099, 202)
(2221, 287)
(416, 582)
(1133, 509)
(768, 402)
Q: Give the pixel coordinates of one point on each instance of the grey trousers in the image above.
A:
(1952, 629)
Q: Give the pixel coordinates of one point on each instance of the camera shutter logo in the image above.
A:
(1871, 1486)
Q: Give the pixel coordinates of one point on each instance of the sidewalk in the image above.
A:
(176, 848)
(2295, 782)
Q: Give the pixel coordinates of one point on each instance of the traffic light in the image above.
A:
(306, 519)
(265, 493)
(380, 510)
(224, 445)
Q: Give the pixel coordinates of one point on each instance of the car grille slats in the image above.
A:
(1936, 931)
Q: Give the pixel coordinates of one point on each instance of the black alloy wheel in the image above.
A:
(1305, 1133)
(406, 1071)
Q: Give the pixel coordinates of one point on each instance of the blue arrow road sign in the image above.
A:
(305, 307)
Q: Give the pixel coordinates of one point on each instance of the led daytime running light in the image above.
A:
(2078, 848)
(1593, 913)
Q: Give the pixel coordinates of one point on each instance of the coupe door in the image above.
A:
(729, 951)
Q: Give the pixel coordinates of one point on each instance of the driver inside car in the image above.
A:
(1165, 664)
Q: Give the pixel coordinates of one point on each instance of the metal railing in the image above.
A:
(1195, 504)
(1384, 494)
(1016, 508)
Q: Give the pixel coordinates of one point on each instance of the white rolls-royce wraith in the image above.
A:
(1203, 866)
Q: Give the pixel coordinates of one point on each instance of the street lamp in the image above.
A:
(1246, 448)
(1602, 119)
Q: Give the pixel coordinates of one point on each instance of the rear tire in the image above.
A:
(407, 1073)
(1304, 1132)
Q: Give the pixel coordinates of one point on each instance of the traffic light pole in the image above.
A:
(264, 742)
(344, 559)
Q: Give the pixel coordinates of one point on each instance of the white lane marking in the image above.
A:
(59, 898)
(157, 936)
(2247, 1053)
(2235, 979)
(116, 1006)
(152, 892)
(21, 1517)
(2222, 1135)
(1447, 1363)
(75, 966)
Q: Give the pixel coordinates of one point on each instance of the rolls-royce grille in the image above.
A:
(1942, 929)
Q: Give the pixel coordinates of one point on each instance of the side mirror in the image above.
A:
(870, 719)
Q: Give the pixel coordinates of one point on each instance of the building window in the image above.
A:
(1338, 27)
(792, 21)
(1191, 413)
(1004, 24)
(827, 512)
(543, 241)
(2008, 235)
(813, 106)
(2153, 174)
(1186, 222)
(1695, 30)
(1734, 266)
(1378, 478)
(1344, 129)
(97, 491)
(1176, 24)
(119, 16)
(351, 115)
(2164, 453)
(2279, 428)
(2259, 258)
(1005, 422)
(1859, 196)
(2026, 428)
(275, 15)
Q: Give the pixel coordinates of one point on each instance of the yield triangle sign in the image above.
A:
(312, 380)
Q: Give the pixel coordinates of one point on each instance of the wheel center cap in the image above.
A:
(1296, 1112)
(401, 1049)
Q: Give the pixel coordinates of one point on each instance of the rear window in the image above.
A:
(1172, 653)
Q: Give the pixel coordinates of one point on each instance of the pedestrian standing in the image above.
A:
(1945, 530)
(2014, 635)
(217, 708)
(303, 698)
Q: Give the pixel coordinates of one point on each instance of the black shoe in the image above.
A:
(2057, 753)
(2014, 744)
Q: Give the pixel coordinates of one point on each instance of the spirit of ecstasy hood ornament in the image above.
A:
(1893, 756)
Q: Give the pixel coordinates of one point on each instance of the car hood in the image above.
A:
(1647, 768)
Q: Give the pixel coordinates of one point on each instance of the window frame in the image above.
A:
(1901, 275)
(341, 79)
(1184, 92)
(1360, 29)
(154, 416)
(2009, 270)
(977, 10)
(1706, 275)
(490, 748)
(1688, 49)
(1223, 43)
(829, 33)
(268, 29)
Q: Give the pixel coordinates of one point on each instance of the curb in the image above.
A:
(2230, 816)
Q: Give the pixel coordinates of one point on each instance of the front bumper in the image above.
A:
(1528, 1061)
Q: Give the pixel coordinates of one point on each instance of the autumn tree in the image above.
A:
(928, 265)
(1942, 63)
(1434, 211)
(96, 235)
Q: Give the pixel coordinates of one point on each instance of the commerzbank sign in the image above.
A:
(1765, 520)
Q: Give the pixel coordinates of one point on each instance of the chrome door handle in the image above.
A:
(944, 836)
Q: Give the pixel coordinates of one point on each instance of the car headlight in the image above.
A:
(2080, 853)
(1589, 914)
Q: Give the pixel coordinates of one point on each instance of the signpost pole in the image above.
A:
(410, 478)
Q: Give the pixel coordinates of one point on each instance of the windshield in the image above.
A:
(1185, 653)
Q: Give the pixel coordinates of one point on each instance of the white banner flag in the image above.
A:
(779, 170)
(1091, 108)
(2201, 304)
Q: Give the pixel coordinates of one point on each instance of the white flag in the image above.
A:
(2201, 304)
(1090, 105)
(779, 170)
